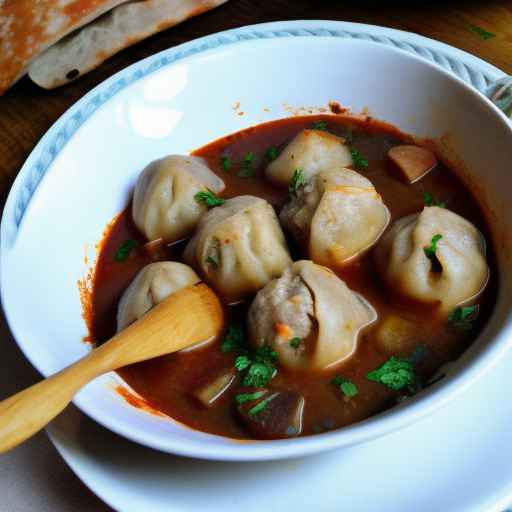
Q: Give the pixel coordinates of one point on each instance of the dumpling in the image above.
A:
(154, 283)
(456, 271)
(311, 151)
(239, 247)
(309, 317)
(336, 216)
(163, 200)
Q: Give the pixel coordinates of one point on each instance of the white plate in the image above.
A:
(455, 460)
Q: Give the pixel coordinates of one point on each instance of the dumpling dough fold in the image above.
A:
(313, 305)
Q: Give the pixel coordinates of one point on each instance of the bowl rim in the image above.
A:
(398, 417)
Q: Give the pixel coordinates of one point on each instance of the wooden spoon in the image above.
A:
(185, 318)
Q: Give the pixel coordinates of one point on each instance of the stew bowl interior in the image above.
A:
(50, 226)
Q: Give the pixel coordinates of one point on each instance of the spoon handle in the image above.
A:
(187, 317)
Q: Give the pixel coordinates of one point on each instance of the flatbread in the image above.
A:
(123, 26)
(28, 27)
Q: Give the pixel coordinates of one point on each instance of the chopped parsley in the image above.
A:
(347, 387)
(234, 340)
(259, 366)
(360, 162)
(320, 125)
(396, 374)
(430, 200)
(295, 342)
(248, 397)
(225, 162)
(271, 153)
(246, 166)
(124, 250)
(463, 317)
(479, 31)
(430, 251)
(214, 262)
(298, 181)
(209, 198)
(261, 405)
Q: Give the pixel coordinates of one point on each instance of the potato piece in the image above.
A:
(413, 162)
(211, 392)
(276, 415)
(396, 335)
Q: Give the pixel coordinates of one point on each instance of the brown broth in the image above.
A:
(168, 383)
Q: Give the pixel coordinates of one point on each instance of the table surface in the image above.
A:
(33, 476)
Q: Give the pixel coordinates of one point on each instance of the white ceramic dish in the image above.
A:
(92, 155)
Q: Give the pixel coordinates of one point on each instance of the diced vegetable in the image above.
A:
(275, 415)
(211, 392)
(156, 249)
(413, 162)
(396, 335)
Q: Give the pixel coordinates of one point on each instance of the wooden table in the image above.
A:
(33, 477)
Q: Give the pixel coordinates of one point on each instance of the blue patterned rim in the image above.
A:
(473, 71)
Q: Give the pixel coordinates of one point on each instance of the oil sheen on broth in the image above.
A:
(405, 330)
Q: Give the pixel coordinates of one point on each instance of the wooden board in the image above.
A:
(26, 111)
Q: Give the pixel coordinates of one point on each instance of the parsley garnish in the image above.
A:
(260, 406)
(298, 180)
(271, 153)
(320, 125)
(479, 31)
(295, 342)
(347, 387)
(260, 366)
(430, 251)
(246, 166)
(430, 200)
(359, 161)
(248, 397)
(463, 317)
(125, 249)
(209, 198)
(395, 374)
(225, 162)
(234, 340)
(214, 262)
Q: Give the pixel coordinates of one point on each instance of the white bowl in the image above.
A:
(173, 103)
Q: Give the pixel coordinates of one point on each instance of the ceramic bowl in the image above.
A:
(82, 173)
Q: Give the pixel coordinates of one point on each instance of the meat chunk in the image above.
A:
(275, 415)
(413, 162)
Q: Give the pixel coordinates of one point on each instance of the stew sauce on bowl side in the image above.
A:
(170, 384)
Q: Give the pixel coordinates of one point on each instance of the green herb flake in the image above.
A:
(320, 125)
(298, 181)
(430, 200)
(430, 251)
(214, 262)
(125, 249)
(271, 153)
(463, 317)
(209, 198)
(246, 166)
(234, 340)
(360, 162)
(396, 374)
(259, 374)
(242, 363)
(225, 162)
(482, 33)
(261, 405)
(347, 387)
(248, 397)
(295, 343)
